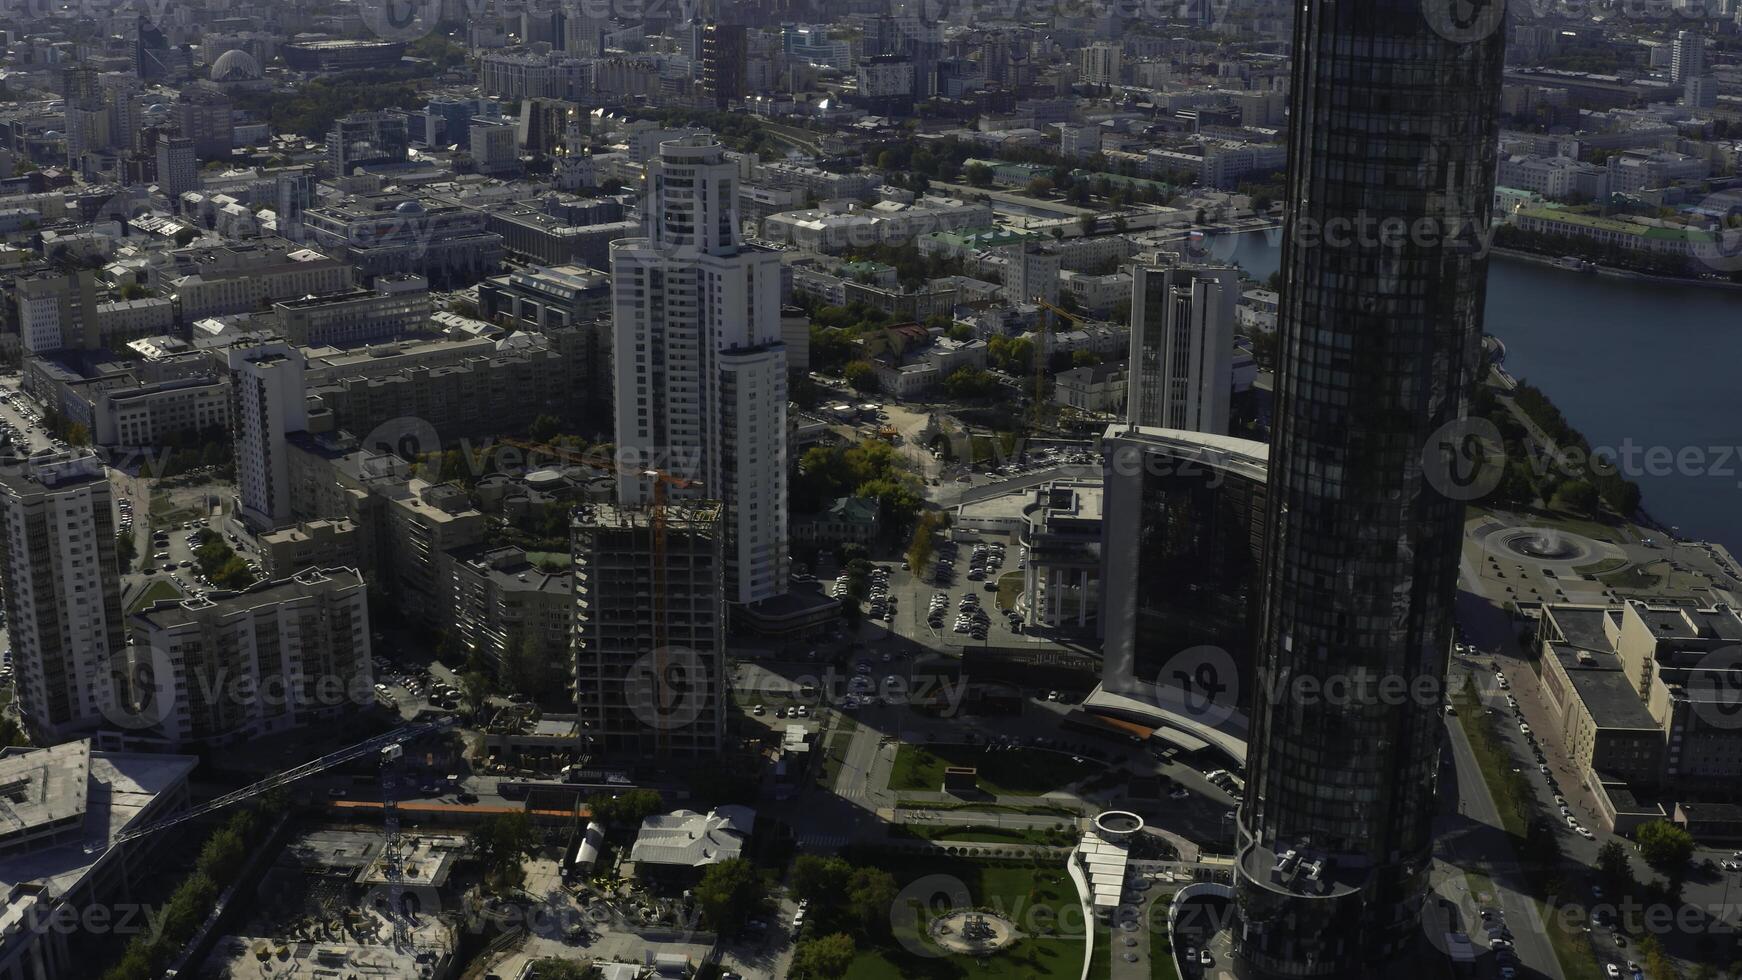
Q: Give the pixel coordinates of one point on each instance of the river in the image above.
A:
(1630, 364)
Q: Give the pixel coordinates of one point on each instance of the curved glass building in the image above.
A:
(1391, 167)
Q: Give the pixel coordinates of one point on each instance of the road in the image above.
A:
(1473, 838)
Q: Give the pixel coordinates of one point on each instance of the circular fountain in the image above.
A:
(1548, 544)
(971, 932)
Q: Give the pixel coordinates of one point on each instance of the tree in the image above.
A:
(475, 687)
(1664, 846)
(979, 175)
(500, 842)
(1086, 223)
(729, 893)
(920, 549)
(870, 894)
(824, 958)
(184, 236)
(1041, 187)
(525, 668)
(126, 550)
(544, 428)
(1613, 865)
(557, 968)
(1576, 497)
(1085, 358)
(821, 881)
(862, 376)
(627, 809)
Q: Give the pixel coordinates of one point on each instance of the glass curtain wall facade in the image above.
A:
(1391, 164)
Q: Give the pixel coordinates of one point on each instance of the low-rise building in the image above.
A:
(1098, 388)
(58, 876)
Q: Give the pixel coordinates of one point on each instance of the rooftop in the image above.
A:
(686, 838)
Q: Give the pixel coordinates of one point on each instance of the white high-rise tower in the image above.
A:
(62, 593)
(700, 366)
(1182, 335)
(269, 402)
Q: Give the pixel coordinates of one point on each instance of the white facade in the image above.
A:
(270, 403)
(700, 366)
(1182, 335)
(1033, 272)
(63, 600)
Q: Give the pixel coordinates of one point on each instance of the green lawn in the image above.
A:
(1161, 949)
(1016, 772)
(1511, 791)
(1571, 947)
(1031, 896)
(157, 590)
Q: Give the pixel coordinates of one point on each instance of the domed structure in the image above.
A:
(235, 66)
(408, 207)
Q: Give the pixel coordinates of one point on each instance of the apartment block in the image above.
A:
(224, 667)
(62, 593)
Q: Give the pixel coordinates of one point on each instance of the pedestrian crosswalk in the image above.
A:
(820, 841)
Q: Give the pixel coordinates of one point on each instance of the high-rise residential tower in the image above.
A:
(269, 402)
(1182, 347)
(1393, 129)
(700, 366)
(63, 592)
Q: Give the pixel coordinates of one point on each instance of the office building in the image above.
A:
(1182, 347)
(649, 633)
(269, 403)
(700, 367)
(63, 593)
(724, 53)
(1032, 275)
(203, 115)
(245, 277)
(1687, 56)
(395, 307)
(1100, 64)
(295, 194)
(541, 298)
(227, 667)
(57, 311)
(178, 167)
(493, 141)
(1182, 542)
(366, 139)
(387, 233)
(1380, 348)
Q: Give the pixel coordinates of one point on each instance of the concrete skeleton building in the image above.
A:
(63, 593)
(649, 636)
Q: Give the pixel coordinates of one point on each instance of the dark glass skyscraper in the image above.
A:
(1391, 165)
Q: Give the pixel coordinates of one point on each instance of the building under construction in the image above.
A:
(649, 631)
